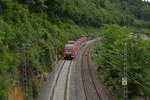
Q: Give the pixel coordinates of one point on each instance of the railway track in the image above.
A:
(89, 85)
(59, 90)
(60, 87)
(75, 80)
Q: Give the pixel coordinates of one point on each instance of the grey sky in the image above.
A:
(147, 0)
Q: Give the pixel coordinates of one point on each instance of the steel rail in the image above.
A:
(67, 81)
(86, 54)
(66, 84)
(83, 80)
(58, 75)
(91, 73)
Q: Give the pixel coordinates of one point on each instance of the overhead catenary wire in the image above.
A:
(128, 72)
(146, 88)
(139, 83)
(22, 50)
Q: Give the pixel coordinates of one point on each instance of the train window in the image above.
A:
(68, 49)
(71, 42)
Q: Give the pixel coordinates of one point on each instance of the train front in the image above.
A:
(69, 51)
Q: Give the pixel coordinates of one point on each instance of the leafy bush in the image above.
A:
(109, 58)
(33, 32)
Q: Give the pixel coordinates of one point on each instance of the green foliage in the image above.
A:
(4, 86)
(31, 40)
(145, 13)
(94, 13)
(37, 6)
(142, 24)
(33, 32)
(109, 57)
(143, 31)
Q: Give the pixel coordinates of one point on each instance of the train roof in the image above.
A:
(69, 45)
(71, 42)
(77, 38)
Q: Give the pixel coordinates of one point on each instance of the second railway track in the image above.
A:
(89, 85)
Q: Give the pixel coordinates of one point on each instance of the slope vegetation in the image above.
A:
(32, 33)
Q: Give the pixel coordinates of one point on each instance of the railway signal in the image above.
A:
(124, 81)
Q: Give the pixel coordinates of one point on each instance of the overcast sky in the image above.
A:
(147, 0)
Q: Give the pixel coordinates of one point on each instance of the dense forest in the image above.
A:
(118, 50)
(32, 34)
(123, 46)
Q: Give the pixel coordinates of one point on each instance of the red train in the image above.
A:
(71, 48)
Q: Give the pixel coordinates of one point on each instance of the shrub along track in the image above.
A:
(92, 86)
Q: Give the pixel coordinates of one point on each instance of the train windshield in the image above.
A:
(68, 48)
(71, 42)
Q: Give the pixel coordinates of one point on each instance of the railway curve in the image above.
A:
(75, 79)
